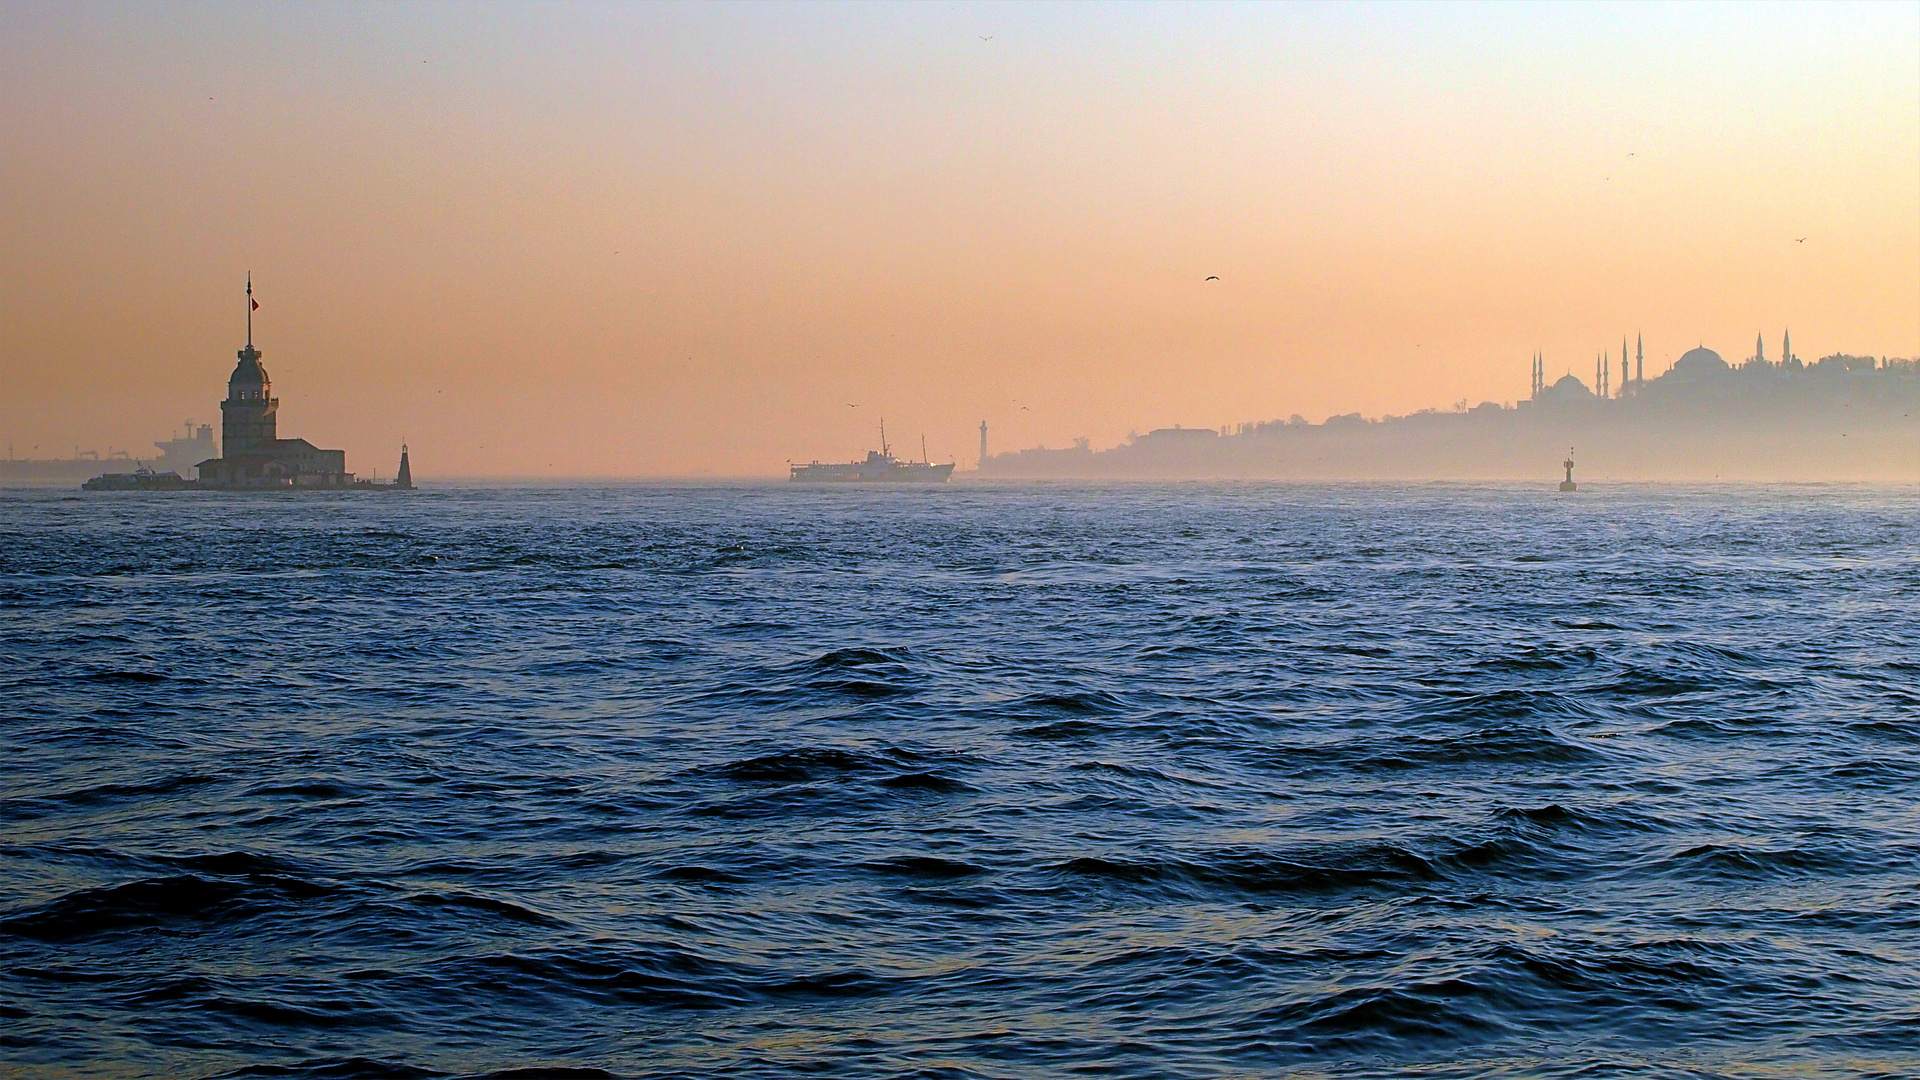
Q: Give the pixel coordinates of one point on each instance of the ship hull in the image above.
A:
(864, 473)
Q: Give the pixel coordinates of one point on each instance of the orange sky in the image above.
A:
(683, 240)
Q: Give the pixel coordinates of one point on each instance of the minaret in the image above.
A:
(983, 444)
(1639, 358)
(1786, 349)
(1759, 349)
(1626, 369)
(247, 417)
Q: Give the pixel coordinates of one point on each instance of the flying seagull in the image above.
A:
(1213, 277)
(1802, 240)
(989, 37)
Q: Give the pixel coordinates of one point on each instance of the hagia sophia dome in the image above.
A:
(1700, 361)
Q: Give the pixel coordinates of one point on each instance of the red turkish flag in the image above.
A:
(255, 303)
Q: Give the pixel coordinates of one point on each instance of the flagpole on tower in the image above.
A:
(250, 306)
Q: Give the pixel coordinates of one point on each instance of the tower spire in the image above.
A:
(250, 306)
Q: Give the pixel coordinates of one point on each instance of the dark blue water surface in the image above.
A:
(1131, 781)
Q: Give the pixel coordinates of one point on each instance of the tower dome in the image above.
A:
(249, 371)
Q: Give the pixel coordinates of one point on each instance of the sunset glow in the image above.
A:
(703, 239)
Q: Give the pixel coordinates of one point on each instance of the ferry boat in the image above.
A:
(880, 467)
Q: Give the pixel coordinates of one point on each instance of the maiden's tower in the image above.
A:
(252, 453)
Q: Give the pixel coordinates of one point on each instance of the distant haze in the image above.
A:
(677, 240)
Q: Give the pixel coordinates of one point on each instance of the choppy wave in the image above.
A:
(1210, 781)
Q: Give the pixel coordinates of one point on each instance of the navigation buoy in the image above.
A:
(1568, 484)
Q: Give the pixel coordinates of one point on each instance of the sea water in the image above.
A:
(1196, 780)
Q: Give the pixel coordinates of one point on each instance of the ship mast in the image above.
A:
(884, 452)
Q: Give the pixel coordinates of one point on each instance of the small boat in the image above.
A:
(141, 479)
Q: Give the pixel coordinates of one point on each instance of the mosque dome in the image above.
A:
(1569, 386)
(1700, 361)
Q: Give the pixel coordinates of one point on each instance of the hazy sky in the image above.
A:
(674, 240)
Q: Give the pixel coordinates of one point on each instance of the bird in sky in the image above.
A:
(1023, 408)
(1801, 240)
(851, 405)
(989, 37)
(1213, 277)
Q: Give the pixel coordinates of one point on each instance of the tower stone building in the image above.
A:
(249, 416)
(252, 453)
